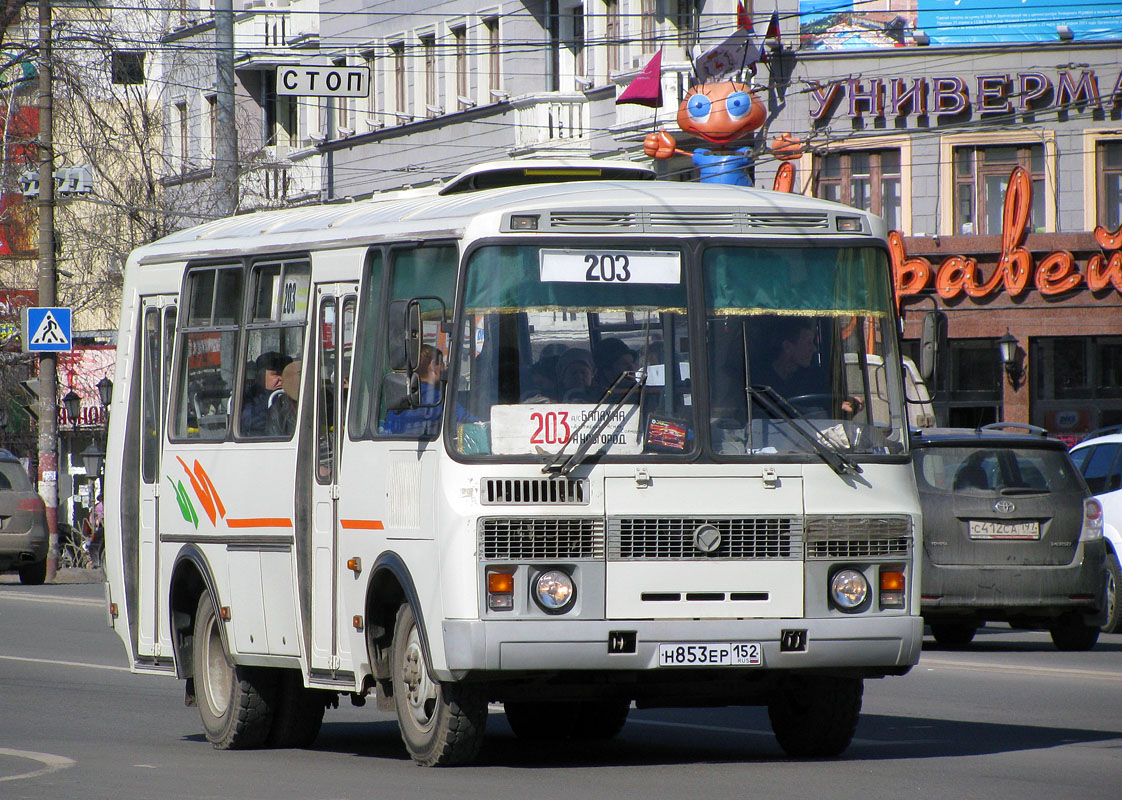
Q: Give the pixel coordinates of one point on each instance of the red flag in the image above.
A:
(743, 19)
(646, 88)
(773, 27)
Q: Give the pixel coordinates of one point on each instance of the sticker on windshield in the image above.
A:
(542, 429)
(611, 266)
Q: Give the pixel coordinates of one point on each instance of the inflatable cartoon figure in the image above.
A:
(720, 113)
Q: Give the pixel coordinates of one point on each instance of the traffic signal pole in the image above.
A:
(48, 374)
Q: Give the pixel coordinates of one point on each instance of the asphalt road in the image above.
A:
(1010, 717)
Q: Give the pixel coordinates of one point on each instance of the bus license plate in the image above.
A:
(1004, 530)
(711, 654)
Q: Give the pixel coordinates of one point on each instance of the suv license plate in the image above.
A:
(711, 654)
(1004, 530)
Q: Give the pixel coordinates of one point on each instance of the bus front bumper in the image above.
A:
(880, 645)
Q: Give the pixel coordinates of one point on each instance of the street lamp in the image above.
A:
(73, 405)
(1007, 349)
(105, 391)
(93, 458)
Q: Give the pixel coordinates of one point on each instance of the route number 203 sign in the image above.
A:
(530, 428)
(611, 266)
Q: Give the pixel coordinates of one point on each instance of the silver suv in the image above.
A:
(23, 523)
(1099, 458)
(1010, 534)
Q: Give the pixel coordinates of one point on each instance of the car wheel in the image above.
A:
(1113, 622)
(33, 574)
(235, 702)
(1071, 633)
(441, 723)
(815, 716)
(953, 634)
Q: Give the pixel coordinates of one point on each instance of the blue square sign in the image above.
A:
(47, 330)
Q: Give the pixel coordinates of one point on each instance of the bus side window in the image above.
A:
(207, 345)
(418, 272)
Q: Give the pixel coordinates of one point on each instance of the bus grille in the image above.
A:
(541, 538)
(686, 220)
(533, 491)
(858, 537)
(661, 538)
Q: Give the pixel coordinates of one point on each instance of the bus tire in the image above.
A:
(815, 716)
(299, 712)
(235, 702)
(441, 723)
(953, 634)
(601, 719)
(540, 720)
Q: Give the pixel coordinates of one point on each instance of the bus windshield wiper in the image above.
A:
(565, 464)
(778, 405)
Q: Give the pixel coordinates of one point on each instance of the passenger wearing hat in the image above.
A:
(613, 358)
(282, 409)
(575, 370)
(255, 409)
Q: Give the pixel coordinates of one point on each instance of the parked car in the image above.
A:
(23, 523)
(1010, 534)
(1099, 458)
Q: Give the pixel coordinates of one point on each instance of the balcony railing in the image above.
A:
(551, 121)
(277, 181)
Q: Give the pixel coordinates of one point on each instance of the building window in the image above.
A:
(612, 36)
(648, 26)
(687, 19)
(1076, 382)
(865, 179)
(343, 121)
(127, 67)
(181, 127)
(372, 106)
(280, 118)
(494, 55)
(981, 175)
(1110, 183)
(400, 103)
(212, 121)
(459, 45)
(576, 41)
(428, 51)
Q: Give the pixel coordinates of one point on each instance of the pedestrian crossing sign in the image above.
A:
(47, 330)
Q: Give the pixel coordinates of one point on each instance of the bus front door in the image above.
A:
(334, 342)
(153, 636)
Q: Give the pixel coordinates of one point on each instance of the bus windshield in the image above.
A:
(559, 344)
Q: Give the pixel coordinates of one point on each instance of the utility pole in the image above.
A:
(48, 375)
(226, 144)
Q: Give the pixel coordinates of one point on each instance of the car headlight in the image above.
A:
(849, 589)
(554, 591)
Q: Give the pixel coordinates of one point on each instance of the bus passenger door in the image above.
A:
(334, 342)
(158, 320)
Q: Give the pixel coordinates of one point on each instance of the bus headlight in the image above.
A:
(554, 591)
(849, 590)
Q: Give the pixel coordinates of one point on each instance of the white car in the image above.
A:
(1099, 458)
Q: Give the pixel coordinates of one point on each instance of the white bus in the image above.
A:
(527, 438)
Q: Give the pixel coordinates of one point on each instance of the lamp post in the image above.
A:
(93, 459)
(73, 405)
(1007, 349)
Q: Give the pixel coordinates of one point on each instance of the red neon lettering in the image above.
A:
(956, 274)
(1057, 274)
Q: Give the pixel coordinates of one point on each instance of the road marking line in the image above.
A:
(53, 662)
(66, 601)
(1098, 675)
(51, 762)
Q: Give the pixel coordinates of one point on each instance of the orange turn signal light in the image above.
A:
(891, 581)
(500, 583)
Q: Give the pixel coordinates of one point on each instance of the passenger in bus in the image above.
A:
(281, 414)
(255, 407)
(613, 359)
(575, 372)
(790, 370)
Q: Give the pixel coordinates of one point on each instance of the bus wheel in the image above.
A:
(235, 702)
(441, 723)
(540, 720)
(299, 712)
(815, 716)
(953, 634)
(601, 719)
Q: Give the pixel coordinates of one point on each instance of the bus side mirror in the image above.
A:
(404, 335)
(933, 335)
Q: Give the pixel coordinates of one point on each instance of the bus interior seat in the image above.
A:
(212, 411)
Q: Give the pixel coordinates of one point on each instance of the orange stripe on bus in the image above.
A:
(362, 524)
(260, 522)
